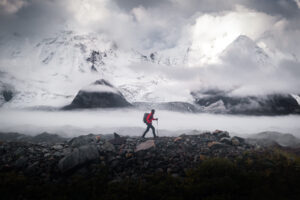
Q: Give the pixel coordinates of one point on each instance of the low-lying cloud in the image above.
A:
(129, 122)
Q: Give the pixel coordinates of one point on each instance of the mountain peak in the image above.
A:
(244, 42)
(243, 38)
(244, 50)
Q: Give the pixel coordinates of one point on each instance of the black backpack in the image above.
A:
(145, 117)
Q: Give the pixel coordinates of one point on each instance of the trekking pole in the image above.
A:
(157, 126)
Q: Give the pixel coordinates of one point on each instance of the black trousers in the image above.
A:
(148, 128)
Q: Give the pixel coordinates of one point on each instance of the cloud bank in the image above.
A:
(157, 24)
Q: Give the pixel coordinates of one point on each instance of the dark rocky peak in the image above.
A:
(103, 82)
(100, 94)
(243, 38)
(269, 104)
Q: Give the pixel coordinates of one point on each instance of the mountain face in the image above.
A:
(244, 55)
(51, 71)
(243, 48)
(272, 104)
(100, 94)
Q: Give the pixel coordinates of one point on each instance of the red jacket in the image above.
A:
(149, 118)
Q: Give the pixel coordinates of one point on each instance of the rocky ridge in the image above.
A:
(121, 157)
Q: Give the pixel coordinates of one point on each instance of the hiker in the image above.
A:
(148, 117)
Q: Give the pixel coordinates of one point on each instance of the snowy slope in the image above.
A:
(244, 50)
(297, 98)
(51, 71)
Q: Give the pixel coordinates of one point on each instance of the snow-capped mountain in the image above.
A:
(51, 71)
(244, 49)
(190, 56)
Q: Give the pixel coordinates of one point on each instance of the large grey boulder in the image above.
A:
(100, 94)
(145, 145)
(78, 157)
(83, 140)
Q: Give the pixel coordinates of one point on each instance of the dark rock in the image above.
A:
(33, 168)
(221, 134)
(89, 155)
(118, 140)
(273, 104)
(83, 140)
(46, 138)
(226, 140)
(21, 162)
(100, 94)
(19, 151)
(58, 147)
(237, 140)
(78, 157)
(13, 137)
(216, 145)
(107, 146)
(7, 95)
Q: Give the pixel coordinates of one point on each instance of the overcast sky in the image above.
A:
(165, 24)
(158, 23)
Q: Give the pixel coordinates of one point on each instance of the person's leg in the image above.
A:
(147, 129)
(153, 130)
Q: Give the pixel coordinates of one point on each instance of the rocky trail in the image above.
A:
(53, 158)
(190, 166)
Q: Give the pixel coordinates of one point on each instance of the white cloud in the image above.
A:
(211, 33)
(11, 6)
(129, 122)
(298, 3)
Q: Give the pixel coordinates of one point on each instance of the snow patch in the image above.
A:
(296, 97)
(100, 89)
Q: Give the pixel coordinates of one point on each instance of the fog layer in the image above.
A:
(129, 122)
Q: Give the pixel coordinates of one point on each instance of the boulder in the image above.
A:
(78, 157)
(21, 162)
(100, 94)
(237, 141)
(221, 134)
(118, 140)
(47, 138)
(216, 145)
(145, 145)
(226, 140)
(177, 139)
(83, 140)
(107, 146)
